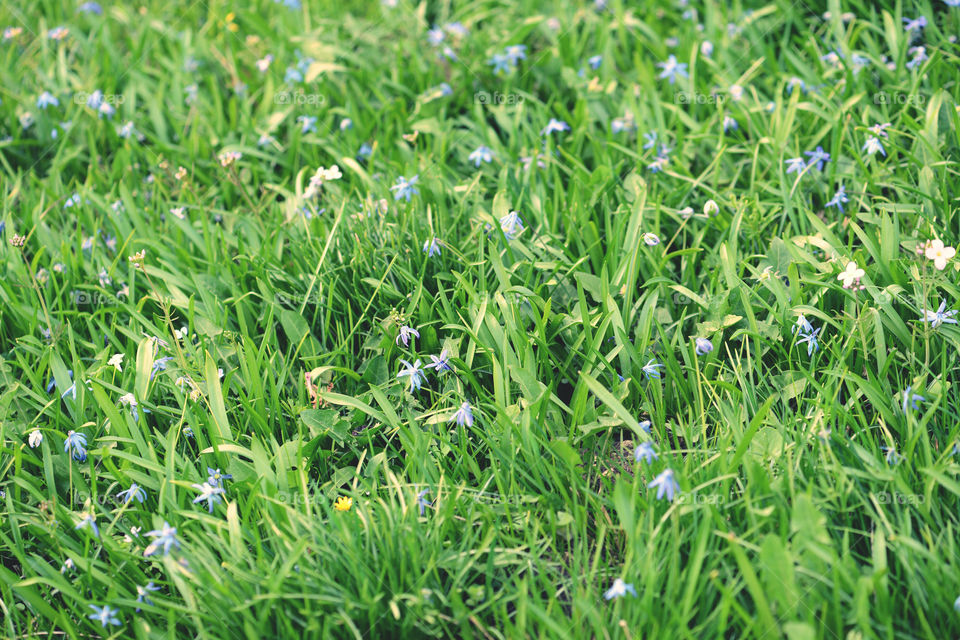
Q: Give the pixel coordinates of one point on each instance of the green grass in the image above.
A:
(792, 522)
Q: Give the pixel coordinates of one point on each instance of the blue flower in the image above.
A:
(651, 140)
(480, 155)
(208, 492)
(811, 340)
(440, 363)
(645, 451)
(511, 225)
(703, 346)
(892, 456)
(47, 99)
(365, 151)
(90, 7)
(645, 425)
(666, 485)
(940, 316)
(500, 63)
(432, 247)
(818, 157)
(803, 325)
(619, 589)
(308, 124)
(415, 372)
(913, 399)
(873, 145)
(404, 188)
(422, 502)
(143, 592)
(650, 370)
(915, 24)
(463, 416)
(216, 478)
(515, 53)
(405, 333)
(165, 537)
(292, 76)
(105, 615)
(135, 491)
(595, 62)
(88, 520)
(838, 199)
(672, 69)
(160, 364)
(558, 126)
(75, 444)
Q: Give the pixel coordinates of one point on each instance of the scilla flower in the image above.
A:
(463, 416)
(104, 615)
(209, 493)
(651, 369)
(480, 155)
(404, 335)
(935, 318)
(619, 589)
(646, 452)
(404, 188)
(165, 537)
(555, 126)
(432, 247)
(671, 69)
(414, 371)
(666, 485)
(134, 492)
(703, 346)
(511, 225)
(75, 444)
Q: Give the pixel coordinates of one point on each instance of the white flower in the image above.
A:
(939, 254)
(851, 276)
(35, 438)
(711, 208)
(115, 361)
(651, 239)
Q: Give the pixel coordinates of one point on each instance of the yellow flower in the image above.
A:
(343, 504)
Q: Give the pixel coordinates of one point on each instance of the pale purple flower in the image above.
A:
(671, 69)
(940, 316)
(463, 415)
(432, 247)
(818, 157)
(165, 537)
(209, 493)
(414, 371)
(666, 485)
(646, 452)
(440, 363)
(404, 188)
(404, 335)
(703, 346)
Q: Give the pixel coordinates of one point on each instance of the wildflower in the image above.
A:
(75, 445)
(838, 199)
(818, 157)
(555, 126)
(137, 259)
(88, 519)
(802, 325)
(595, 62)
(47, 99)
(511, 225)
(135, 491)
(480, 155)
(710, 208)
(415, 372)
(626, 123)
(440, 363)
(515, 53)
(500, 63)
(319, 178)
(308, 124)
(939, 254)
(795, 165)
(143, 592)
(129, 400)
(432, 247)
(703, 346)
(404, 188)
(58, 33)
(658, 164)
(650, 239)
(646, 452)
(216, 478)
(851, 276)
(343, 503)
(919, 57)
(619, 589)
(104, 615)
(12, 32)
(67, 565)
(227, 158)
(160, 364)
(106, 109)
(892, 456)
(706, 48)
(463, 416)
(651, 140)
(209, 493)
(36, 436)
(940, 316)
(915, 24)
(405, 333)
(645, 425)
(264, 63)
(811, 340)
(650, 370)
(115, 361)
(873, 145)
(666, 485)
(913, 399)
(672, 69)
(422, 502)
(729, 124)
